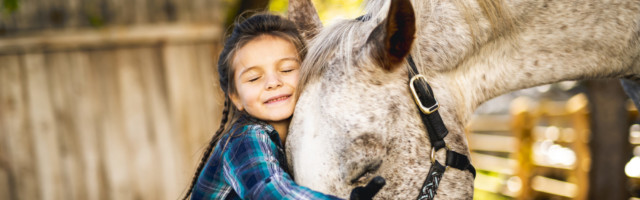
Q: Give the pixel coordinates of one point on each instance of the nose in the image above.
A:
(273, 81)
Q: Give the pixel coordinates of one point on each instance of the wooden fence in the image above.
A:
(112, 113)
(537, 151)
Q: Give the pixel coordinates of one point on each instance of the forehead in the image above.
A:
(263, 50)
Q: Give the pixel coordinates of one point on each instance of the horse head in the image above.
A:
(355, 117)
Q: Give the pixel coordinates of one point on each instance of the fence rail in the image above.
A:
(538, 150)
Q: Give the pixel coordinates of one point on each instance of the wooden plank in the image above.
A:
(5, 184)
(486, 142)
(494, 163)
(163, 142)
(73, 14)
(144, 176)
(183, 10)
(578, 106)
(63, 98)
(184, 88)
(17, 149)
(492, 184)
(199, 9)
(120, 12)
(609, 144)
(114, 145)
(140, 12)
(56, 14)
(108, 36)
(552, 186)
(157, 12)
(85, 116)
(26, 16)
(522, 124)
(213, 101)
(218, 13)
(43, 128)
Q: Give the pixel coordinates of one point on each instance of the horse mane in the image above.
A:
(338, 38)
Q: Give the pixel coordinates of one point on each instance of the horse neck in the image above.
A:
(549, 43)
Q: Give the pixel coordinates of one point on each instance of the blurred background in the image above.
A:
(116, 99)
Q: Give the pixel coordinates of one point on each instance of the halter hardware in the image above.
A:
(437, 131)
(424, 109)
(434, 150)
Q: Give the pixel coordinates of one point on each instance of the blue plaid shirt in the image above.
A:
(249, 163)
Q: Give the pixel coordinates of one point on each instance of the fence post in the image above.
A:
(577, 107)
(522, 125)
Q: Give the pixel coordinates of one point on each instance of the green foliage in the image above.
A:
(482, 195)
(328, 10)
(96, 20)
(10, 6)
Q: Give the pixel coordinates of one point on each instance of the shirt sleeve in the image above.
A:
(252, 169)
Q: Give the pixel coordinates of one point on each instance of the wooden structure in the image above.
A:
(540, 150)
(106, 99)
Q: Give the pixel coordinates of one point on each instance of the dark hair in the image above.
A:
(249, 29)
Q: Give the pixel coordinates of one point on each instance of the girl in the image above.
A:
(258, 70)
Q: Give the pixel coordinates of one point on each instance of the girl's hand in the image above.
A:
(367, 192)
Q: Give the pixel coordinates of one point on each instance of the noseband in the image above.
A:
(428, 106)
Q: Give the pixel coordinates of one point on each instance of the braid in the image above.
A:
(212, 143)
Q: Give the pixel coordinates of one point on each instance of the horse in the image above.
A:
(356, 118)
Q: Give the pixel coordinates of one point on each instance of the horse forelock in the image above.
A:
(342, 42)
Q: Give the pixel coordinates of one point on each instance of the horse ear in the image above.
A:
(305, 16)
(392, 38)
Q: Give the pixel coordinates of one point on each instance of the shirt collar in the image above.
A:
(246, 118)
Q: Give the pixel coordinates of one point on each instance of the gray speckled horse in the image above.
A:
(356, 119)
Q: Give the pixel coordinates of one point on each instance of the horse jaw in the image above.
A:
(309, 157)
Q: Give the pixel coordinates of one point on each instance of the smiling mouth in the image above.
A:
(277, 99)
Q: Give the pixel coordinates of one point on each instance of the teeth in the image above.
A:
(278, 99)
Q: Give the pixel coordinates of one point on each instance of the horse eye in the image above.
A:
(366, 174)
(362, 179)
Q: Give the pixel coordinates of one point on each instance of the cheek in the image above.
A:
(292, 79)
(249, 94)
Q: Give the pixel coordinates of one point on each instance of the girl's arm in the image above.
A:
(253, 171)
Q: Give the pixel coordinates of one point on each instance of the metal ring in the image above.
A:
(433, 153)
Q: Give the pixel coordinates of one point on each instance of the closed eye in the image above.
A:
(367, 173)
(288, 70)
(254, 79)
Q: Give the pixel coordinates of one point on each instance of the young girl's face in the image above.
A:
(266, 77)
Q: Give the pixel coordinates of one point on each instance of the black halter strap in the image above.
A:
(428, 106)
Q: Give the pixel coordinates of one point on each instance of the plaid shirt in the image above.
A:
(249, 163)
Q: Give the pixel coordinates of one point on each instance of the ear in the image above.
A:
(236, 101)
(391, 40)
(305, 16)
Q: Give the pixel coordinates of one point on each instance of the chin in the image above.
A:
(279, 117)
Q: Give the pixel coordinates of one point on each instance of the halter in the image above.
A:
(428, 105)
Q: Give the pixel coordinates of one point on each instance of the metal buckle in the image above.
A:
(425, 110)
(433, 154)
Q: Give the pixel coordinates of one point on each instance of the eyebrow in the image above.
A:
(279, 61)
